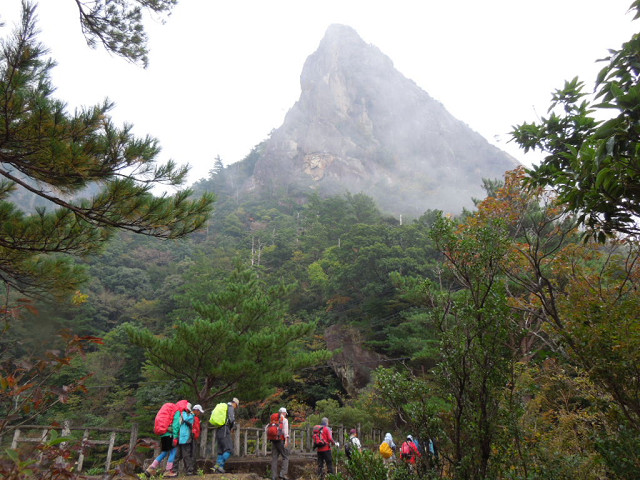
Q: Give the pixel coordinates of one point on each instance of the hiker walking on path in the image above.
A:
(163, 423)
(278, 434)
(182, 436)
(324, 451)
(197, 410)
(353, 444)
(390, 456)
(408, 451)
(167, 450)
(223, 435)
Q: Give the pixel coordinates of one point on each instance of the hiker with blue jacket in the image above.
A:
(223, 437)
(182, 427)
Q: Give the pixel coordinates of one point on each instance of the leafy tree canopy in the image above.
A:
(54, 155)
(593, 163)
(239, 342)
(117, 25)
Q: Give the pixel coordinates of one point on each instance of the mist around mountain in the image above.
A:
(360, 126)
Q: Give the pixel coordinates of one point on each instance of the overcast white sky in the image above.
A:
(223, 74)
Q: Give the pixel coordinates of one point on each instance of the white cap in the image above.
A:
(198, 408)
(236, 401)
(282, 410)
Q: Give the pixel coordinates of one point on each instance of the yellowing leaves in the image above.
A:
(79, 298)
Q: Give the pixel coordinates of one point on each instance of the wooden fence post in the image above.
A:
(85, 438)
(133, 440)
(45, 435)
(257, 450)
(245, 442)
(112, 441)
(236, 441)
(203, 441)
(66, 431)
(16, 437)
(214, 450)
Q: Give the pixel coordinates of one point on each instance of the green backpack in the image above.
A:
(219, 415)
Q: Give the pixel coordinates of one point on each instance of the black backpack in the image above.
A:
(347, 448)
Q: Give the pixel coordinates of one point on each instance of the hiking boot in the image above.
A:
(218, 469)
(170, 473)
(152, 469)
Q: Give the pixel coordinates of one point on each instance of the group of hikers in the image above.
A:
(179, 428)
(410, 450)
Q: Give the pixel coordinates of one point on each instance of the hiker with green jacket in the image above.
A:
(182, 437)
(164, 421)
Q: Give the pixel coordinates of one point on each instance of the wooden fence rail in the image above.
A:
(247, 441)
(88, 439)
(252, 441)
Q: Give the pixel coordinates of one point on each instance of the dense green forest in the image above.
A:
(501, 333)
(508, 334)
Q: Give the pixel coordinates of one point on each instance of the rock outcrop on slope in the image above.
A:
(361, 126)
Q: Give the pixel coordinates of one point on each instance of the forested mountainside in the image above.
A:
(381, 321)
(336, 253)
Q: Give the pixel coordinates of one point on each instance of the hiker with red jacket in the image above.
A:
(409, 451)
(197, 410)
(279, 444)
(324, 451)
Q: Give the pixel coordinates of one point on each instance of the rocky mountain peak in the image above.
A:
(361, 126)
(340, 38)
(341, 60)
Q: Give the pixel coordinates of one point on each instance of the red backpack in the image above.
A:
(318, 441)
(196, 427)
(275, 429)
(165, 415)
(407, 451)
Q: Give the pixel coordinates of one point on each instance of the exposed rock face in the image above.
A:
(361, 126)
(353, 364)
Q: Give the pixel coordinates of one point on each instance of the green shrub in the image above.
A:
(366, 465)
